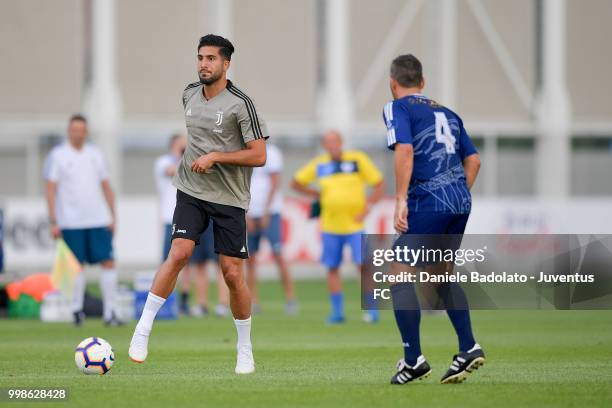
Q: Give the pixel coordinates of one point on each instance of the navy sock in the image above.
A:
(408, 318)
(458, 311)
(337, 303)
(369, 301)
(371, 304)
(184, 300)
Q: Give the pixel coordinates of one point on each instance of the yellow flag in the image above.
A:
(65, 268)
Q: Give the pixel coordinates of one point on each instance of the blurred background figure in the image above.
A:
(264, 221)
(342, 177)
(196, 272)
(165, 169)
(81, 207)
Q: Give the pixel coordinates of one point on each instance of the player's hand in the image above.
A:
(55, 231)
(203, 163)
(265, 221)
(362, 215)
(250, 225)
(400, 217)
(171, 170)
(111, 227)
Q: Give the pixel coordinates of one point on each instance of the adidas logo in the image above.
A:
(243, 249)
(188, 113)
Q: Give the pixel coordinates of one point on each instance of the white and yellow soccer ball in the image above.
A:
(94, 356)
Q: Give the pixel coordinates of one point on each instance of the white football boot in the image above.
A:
(139, 347)
(245, 364)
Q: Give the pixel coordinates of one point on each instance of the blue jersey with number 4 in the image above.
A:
(440, 144)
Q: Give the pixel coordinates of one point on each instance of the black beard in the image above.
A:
(211, 80)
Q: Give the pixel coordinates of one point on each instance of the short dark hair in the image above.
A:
(78, 117)
(407, 71)
(226, 49)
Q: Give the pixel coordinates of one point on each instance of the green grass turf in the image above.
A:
(534, 358)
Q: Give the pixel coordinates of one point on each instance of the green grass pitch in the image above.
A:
(534, 358)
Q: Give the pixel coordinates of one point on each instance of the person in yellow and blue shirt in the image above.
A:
(342, 178)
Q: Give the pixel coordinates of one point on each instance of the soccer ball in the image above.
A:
(94, 356)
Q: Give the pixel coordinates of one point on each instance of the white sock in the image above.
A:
(152, 306)
(243, 327)
(78, 292)
(108, 284)
(420, 360)
(476, 347)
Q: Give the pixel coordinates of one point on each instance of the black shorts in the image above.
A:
(191, 218)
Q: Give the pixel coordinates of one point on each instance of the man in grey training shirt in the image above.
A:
(226, 139)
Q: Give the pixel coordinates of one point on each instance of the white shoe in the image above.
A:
(291, 307)
(221, 310)
(198, 311)
(139, 347)
(245, 364)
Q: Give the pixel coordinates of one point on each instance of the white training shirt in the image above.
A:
(261, 183)
(165, 189)
(79, 174)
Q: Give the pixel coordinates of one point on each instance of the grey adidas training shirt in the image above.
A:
(224, 123)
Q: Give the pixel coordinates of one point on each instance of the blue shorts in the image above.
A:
(433, 231)
(436, 223)
(90, 245)
(333, 244)
(203, 252)
(272, 233)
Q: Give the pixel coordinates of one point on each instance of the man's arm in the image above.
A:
(304, 177)
(374, 197)
(109, 196)
(170, 171)
(377, 193)
(403, 162)
(51, 195)
(306, 190)
(164, 168)
(274, 186)
(275, 179)
(471, 166)
(253, 156)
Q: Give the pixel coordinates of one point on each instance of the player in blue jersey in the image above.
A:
(435, 166)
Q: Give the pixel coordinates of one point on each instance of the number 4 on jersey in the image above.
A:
(443, 132)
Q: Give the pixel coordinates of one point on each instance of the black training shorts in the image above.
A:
(191, 218)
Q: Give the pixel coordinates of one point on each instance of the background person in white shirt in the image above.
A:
(165, 169)
(81, 208)
(264, 220)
